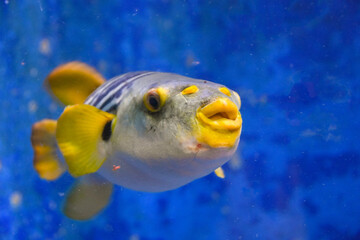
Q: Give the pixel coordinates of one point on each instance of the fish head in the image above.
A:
(179, 125)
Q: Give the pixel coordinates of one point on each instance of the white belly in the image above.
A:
(158, 177)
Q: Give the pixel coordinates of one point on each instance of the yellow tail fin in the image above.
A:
(73, 82)
(46, 159)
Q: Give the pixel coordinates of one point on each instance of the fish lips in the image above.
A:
(219, 124)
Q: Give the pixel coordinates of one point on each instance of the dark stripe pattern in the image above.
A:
(108, 96)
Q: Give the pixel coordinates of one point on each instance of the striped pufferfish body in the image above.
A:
(157, 151)
(146, 131)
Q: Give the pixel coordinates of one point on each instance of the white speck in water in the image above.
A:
(15, 199)
(6, 1)
(32, 106)
(194, 63)
(191, 60)
(61, 194)
(45, 47)
(135, 12)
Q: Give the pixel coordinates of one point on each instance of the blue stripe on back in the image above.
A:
(104, 89)
(108, 95)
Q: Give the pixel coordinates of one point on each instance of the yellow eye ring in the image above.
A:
(155, 99)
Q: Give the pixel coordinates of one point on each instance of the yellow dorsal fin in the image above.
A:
(46, 159)
(219, 172)
(79, 133)
(73, 82)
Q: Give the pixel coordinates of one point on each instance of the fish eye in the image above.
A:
(154, 99)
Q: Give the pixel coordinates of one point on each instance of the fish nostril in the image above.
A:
(204, 103)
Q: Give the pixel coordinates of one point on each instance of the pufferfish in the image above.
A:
(146, 131)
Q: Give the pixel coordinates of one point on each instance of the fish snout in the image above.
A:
(219, 123)
(221, 114)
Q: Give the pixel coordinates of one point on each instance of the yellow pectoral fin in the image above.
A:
(73, 82)
(219, 172)
(79, 131)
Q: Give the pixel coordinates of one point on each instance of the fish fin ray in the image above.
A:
(47, 157)
(78, 134)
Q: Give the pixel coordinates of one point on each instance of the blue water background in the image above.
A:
(295, 65)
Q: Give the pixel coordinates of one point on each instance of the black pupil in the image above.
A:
(154, 101)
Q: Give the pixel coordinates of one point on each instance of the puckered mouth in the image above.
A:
(219, 123)
(222, 114)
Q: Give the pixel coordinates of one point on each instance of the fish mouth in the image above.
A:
(219, 123)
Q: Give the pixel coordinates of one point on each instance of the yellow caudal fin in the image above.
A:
(219, 172)
(46, 159)
(89, 195)
(73, 82)
(81, 134)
